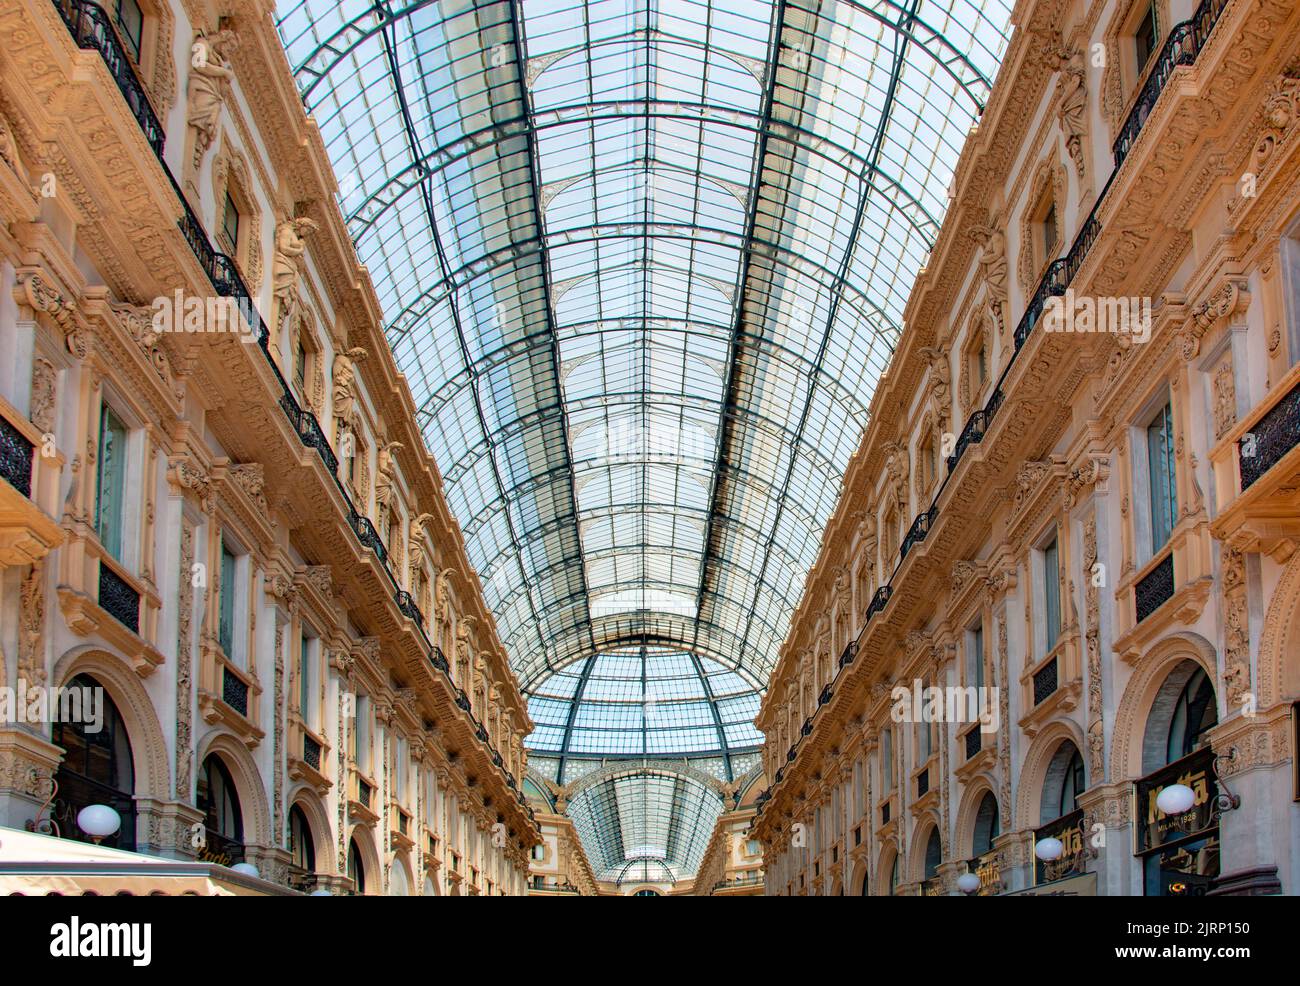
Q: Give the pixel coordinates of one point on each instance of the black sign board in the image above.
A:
(1154, 829)
(1074, 856)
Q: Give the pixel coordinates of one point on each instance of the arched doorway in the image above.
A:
(1065, 781)
(97, 767)
(223, 818)
(987, 825)
(1179, 852)
(302, 850)
(356, 867)
(399, 883)
(1060, 815)
(930, 884)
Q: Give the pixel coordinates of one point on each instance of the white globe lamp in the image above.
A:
(1049, 849)
(1176, 799)
(98, 821)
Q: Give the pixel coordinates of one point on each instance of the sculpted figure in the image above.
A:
(286, 267)
(993, 269)
(210, 75)
(1072, 96)
(345, 377)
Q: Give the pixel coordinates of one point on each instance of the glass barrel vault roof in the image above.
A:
(642, 263)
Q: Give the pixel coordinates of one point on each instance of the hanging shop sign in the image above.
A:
(1155, 829)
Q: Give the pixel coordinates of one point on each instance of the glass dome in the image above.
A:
(644, 700)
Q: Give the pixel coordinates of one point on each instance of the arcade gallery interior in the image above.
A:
(650, 447)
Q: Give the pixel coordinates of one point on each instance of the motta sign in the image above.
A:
(1069, 829)
(1154, 828)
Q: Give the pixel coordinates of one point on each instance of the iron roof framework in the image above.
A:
(642, 263)
(643, 824)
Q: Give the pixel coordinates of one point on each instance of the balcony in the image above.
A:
(1052, 685)
(307, 755)
(28, 491)
(228, 695)
(1257, 474)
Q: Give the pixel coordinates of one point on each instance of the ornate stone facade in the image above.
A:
(1119, 532)
(183, 544)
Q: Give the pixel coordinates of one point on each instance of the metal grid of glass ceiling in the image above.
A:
(645, 824)
(642, 263)
(644, 700)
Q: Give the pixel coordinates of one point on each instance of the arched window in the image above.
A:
(1195, 714)
(1073, 786)
(933, 855)
(301, 844)
(98, 768)
(356, 867)
(219, 802)
(1064, 782)
(987, 826)
(893, 875)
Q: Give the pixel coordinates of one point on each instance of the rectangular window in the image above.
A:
(1144, 38)
(300, 366)
(130, 26)
(1052, 593)
(886, 760)
(981, 365)
(305, 690)
(110, 491)
(924, 736)
(226, 603)
(975, 668)
(361, 734)
(1161, 477)
(1049, 233)
(230, 226)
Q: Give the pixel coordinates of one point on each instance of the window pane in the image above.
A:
(130, 25)
(226, 627)
(304, 681)
(112, 478)
(1160, 473)
(1052, 594)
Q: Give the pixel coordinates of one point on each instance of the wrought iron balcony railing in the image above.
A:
(1272, 437)
(15, 458)
(1182, 47)
(918, 531)
(91, 27)
(1155, 588)
(118, 599)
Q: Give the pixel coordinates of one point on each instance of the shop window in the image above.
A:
(222, 816)
(97, 767)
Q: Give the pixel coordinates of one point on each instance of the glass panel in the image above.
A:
(1052, 594)
(228, 590)
(110, 491)
(130, 25)
(624, 249)
(306, 705)
(1161, 477)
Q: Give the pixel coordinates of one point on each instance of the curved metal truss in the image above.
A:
(641, 818)
(643, 262)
